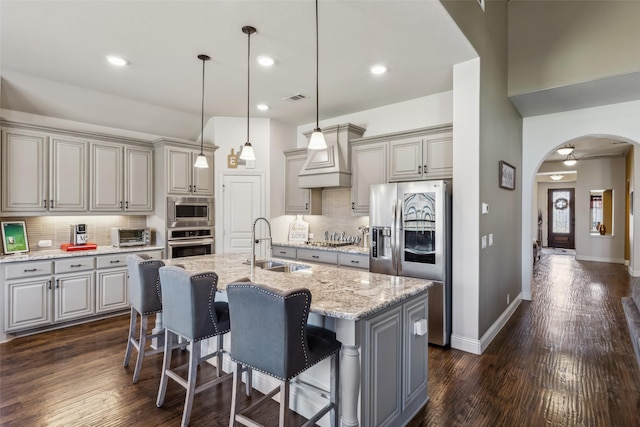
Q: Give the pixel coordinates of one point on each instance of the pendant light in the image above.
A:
(317, 142)
(570, 160)
(201, 160)
(247, 149)
(566, 150)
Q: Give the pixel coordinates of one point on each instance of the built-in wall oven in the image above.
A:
(189, 241)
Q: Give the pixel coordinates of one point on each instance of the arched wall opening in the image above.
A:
(543, 134)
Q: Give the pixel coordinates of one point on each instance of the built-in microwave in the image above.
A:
(189, 211)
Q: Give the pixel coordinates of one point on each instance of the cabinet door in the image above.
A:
(406, 159)
(383, 373)
(68, 181)
(296, 199)
(106, 178)
(27, 304)
(438, 156)
(138, 180)
(414, 370)
(179, 171)
(203, 177)
(368, 167)
(73, 296)
(24, 171)
(112, 292)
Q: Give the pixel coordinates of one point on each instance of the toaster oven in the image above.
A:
(134, 236)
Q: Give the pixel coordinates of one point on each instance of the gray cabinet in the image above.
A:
(312, 255)
(121, 178)
(421, 157)
(42, 172)
(27, 295)
(283, 252)
(368, 167)
(298, 201)
(350, 260)
(185, 179)
(394, 363)
(341, 259)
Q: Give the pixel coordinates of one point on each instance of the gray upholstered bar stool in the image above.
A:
(270, 334)
(145, 299)
(190, 311)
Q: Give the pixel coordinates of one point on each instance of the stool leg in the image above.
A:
(284, 404)
(219, 357)
(191, 382)
(132, 336)
(249, 383)
(143, 345)
(234, 391)
(166, 365)
(335, 390)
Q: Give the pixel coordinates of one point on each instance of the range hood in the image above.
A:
(330, 167)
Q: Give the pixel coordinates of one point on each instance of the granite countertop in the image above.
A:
(59, 253)
(351, 249)
(336, 292)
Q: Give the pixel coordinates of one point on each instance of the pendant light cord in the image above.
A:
(317, 72)
(202, 115)
(248, 80)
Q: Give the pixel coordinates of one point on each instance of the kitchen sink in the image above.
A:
(279, 266)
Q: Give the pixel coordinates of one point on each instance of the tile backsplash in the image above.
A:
(58, 228)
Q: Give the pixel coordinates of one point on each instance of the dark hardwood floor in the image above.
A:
(564, 359)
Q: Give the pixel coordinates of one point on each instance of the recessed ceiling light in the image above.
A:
(266, 61)
(262, 107)
(378, 69)
(117, 60)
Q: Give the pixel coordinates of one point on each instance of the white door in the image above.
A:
(242, 202)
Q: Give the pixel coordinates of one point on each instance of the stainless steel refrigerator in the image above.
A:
(410, 235)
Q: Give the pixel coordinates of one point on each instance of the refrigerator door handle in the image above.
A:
(398, 237)
(394, 262)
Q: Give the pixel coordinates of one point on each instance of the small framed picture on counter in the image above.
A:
(14, 237)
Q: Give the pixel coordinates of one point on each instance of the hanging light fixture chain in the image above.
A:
(202, 113)
(248, 77)
(317, 71)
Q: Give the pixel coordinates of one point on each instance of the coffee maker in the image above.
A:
(79, 234)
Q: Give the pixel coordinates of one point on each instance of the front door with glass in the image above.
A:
(561, 218)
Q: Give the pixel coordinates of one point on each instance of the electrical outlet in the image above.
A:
(490, 239)
(484, 242)
(44, 244)
(508, 299)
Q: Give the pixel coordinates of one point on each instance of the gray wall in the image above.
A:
(500, 139)
(552, 43)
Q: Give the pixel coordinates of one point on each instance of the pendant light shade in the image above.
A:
(565, 150)
(201, 160)
(317, 142)
(247, 150)
(570, 160)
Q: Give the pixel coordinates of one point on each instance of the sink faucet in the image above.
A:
(255, 241)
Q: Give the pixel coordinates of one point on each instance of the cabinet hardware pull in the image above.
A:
(120, 204)
(114, 261)
(425, 168)
(51, 203)
(355, 262)
(190, 187)
(126, 204)
(75, 265)
(194, 188)
(283, 252)
(353, 205)
(57, 283)
(44, 202)
(420, 169)
(30, 270)
(315, 256)
(306, 205)
(49, 284)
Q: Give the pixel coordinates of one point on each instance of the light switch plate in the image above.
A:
(485, 208)
(491, 239)
(484, 242)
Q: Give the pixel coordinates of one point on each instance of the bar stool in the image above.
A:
(145, 299)
(270, 334)
(191, 312)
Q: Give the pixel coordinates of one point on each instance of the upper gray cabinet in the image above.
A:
(299, 201)
(121, 178)
(185, 179)
(368, 167)
(418, 157)
(42, 172)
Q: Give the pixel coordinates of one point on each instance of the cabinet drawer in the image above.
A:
(19, 270)
(284, 252)
(318, 256)
(353, 260)
(152, 254)
(111, 261)
(75, 264)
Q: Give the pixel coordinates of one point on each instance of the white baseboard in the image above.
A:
(600, 259)
(632, 272)
(474, 346)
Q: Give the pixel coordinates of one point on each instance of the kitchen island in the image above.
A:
(381, 321)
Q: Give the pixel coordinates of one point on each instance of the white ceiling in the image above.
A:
(53, 59)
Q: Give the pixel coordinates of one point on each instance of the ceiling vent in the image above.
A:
(295, 98)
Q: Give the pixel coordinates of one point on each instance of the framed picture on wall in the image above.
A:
(14, 237)
(507, 176)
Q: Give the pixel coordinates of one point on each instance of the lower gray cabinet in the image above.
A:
(394, 363)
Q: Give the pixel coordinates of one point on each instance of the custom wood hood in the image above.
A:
(330, 167)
